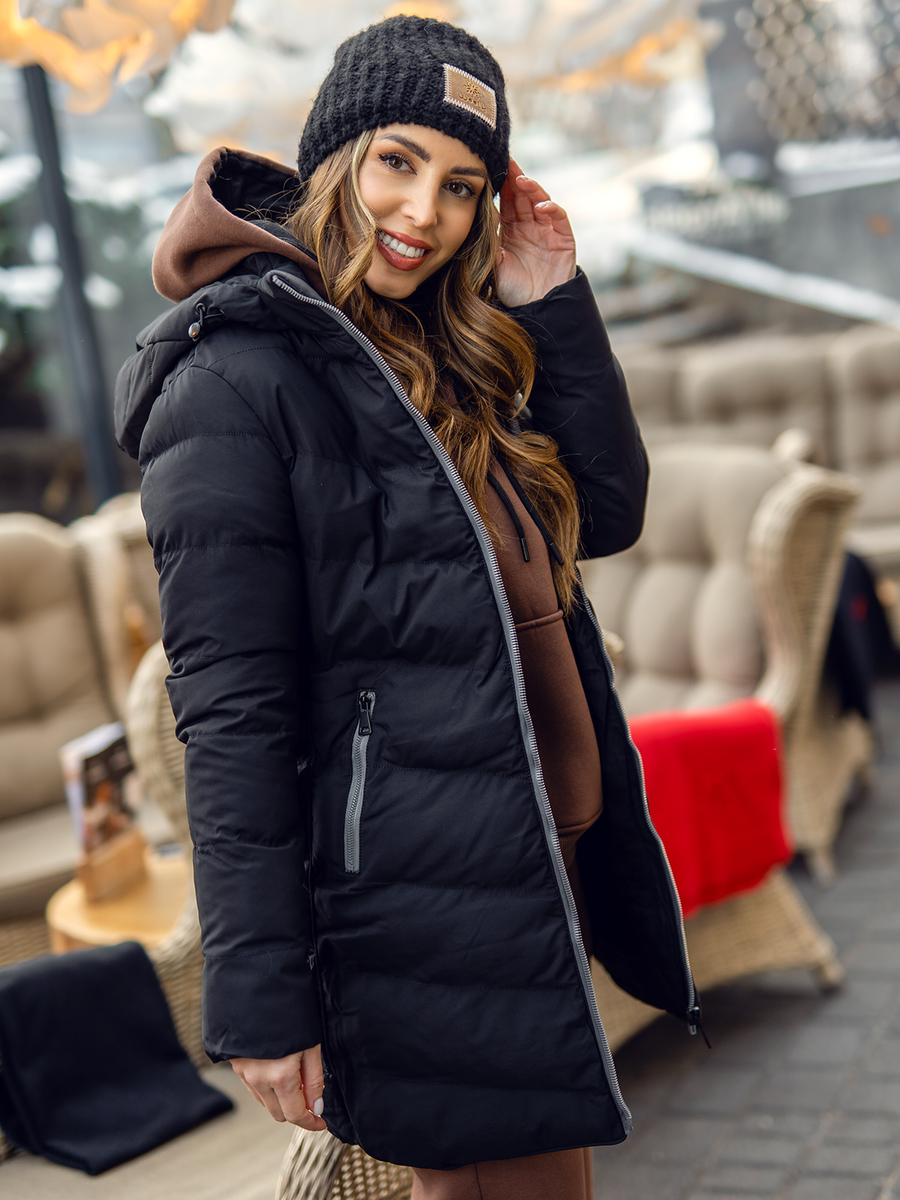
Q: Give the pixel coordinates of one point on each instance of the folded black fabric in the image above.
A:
(91, 1071)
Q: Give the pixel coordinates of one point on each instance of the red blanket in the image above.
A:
(713, 781)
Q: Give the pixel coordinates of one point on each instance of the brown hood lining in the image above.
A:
(210, 230)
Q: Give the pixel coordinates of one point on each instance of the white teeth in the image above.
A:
(400, 247)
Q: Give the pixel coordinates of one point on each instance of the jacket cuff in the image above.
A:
(564, 322)
(263, 1005)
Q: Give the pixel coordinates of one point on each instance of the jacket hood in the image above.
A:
(232, 214)
(217, 224)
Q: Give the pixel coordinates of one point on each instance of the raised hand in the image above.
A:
(538, 246)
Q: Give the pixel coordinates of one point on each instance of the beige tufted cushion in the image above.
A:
(865, 366)
(650, 372)
(683, 599)
(750, 389)
(49, 683)
(38, 852)
(122, 587)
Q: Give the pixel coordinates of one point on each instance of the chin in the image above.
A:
(397, 285)
(391, 290)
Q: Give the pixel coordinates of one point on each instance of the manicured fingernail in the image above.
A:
(318, 1107)
(526, 178)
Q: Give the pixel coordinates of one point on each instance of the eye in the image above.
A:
(394, 161)
(458, 188)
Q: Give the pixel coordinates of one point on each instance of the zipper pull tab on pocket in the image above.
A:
(365, 703)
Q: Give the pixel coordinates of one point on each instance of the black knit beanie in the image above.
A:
(411, 71)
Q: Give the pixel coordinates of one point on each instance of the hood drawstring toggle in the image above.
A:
(204, 316)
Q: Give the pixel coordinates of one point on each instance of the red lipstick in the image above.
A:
(400, 261)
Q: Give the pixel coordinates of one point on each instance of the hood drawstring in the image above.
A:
(205, 316)
(535, 516)
(510, 508)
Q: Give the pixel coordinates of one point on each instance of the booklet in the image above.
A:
(94, 767)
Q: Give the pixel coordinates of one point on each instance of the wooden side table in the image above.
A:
(145, 913)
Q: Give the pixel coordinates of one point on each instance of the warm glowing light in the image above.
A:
(96, 42)
(675, 51)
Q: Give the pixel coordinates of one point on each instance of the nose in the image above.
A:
(420, 206)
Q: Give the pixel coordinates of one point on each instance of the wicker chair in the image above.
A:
(122, 587)
(51, 690)
(730, 592)
(775, 571)
(159, 763)
(864, 364)
(743, 391)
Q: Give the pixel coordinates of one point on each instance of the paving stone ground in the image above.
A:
(799, 1098)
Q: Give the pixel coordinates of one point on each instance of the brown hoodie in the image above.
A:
(201, 242)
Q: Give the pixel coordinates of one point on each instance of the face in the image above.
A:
(424, 189)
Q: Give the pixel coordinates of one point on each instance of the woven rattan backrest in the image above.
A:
(157, 753)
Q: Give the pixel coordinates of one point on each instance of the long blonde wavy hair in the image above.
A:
(464, 340)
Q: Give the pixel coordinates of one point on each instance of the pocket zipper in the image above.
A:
(365, 702)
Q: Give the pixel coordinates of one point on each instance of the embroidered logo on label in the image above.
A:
(465, 91)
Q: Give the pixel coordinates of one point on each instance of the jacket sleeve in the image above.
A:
(581, 401)
(217, 500)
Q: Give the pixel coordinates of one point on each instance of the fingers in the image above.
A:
(313, 1080)
(278, 1085)
(523, 199)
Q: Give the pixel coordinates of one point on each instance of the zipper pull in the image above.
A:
(694, 1023)
(365, 704)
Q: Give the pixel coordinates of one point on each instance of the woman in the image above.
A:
(399, 719)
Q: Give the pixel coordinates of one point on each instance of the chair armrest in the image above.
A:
(158, 755)
(615, 648)
(796, 552)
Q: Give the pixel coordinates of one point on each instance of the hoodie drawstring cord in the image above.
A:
(535, 516)
(510, 508)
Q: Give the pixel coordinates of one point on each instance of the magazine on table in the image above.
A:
(95, 767)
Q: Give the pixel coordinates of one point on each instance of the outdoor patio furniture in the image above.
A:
(122, 587)
(51, 692)
(748, 390)
(730, 592)
(864, 364)
(744, 390)
(652, 373)
(159, 762)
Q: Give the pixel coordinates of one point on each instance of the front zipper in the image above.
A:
(528, 736)
(365, 705)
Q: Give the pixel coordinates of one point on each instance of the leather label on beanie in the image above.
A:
(465, 91)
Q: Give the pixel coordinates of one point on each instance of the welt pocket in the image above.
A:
(359, 750)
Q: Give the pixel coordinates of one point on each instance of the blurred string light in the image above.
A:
(251, 84)
(827, 67)
(91, 44)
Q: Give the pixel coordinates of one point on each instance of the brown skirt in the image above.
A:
(563, 1175)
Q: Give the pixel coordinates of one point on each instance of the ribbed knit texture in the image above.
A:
(393, 72)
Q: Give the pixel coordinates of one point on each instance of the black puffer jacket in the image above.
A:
(376, 861)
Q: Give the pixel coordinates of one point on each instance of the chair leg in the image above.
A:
(820, 864)
(830, 976)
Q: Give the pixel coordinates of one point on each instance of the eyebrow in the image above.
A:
(421, 152)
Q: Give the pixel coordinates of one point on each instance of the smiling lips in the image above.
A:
(402, 253)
